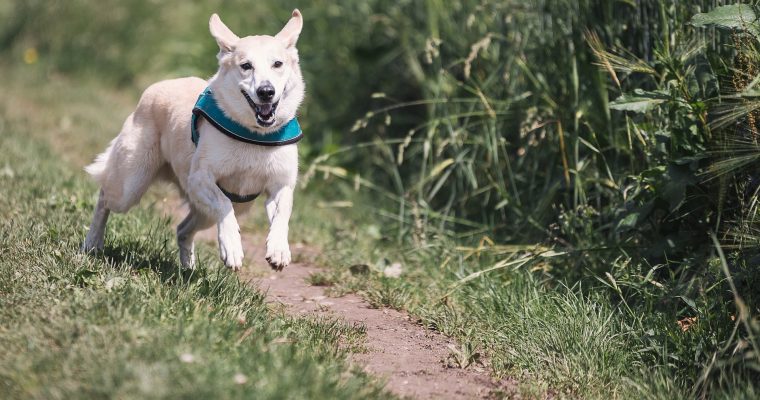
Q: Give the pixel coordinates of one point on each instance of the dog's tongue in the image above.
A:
(265, 109)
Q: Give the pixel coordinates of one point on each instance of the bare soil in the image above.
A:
(411, 358)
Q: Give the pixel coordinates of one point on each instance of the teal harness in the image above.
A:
(207, 108)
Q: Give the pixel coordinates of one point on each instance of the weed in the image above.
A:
(321, 279)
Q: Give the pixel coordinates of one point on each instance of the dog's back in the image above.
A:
(159, 125)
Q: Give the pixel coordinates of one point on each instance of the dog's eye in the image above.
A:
(277, 64)
(246, 66)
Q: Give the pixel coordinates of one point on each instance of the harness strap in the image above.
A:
(236, 198)
(207, 108)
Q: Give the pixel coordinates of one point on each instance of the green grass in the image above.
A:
(596, 144)
(593, 178)
(616, 336)
(584, 341)
(128, 323)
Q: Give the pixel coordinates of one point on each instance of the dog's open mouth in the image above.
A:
(264, 112)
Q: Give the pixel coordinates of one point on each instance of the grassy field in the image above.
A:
(129, 324)
(570, 186)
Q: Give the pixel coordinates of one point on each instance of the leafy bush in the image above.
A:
(515, 139)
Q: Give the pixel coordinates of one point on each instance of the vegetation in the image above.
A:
(130, 324)
(569, 185)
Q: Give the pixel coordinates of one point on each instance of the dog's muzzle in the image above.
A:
(264, 112)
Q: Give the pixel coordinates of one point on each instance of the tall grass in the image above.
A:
(599, 129)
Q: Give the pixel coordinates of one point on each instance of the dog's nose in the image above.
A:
(265, 91)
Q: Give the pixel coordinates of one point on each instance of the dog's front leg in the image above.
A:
(206, 196)
(279, 207)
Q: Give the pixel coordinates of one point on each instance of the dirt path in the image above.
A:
(410, 357)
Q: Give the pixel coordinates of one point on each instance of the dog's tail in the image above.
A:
(98, 167)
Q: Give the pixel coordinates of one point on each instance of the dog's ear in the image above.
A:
(289, 34)
(223, 35)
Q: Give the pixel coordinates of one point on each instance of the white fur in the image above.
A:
(155, 143)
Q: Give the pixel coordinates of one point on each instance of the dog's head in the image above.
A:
(259, 82)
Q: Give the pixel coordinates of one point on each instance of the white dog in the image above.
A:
(243, 143)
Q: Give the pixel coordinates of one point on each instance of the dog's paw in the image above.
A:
(187, 256)
(278, 255)
(231, 248)
(91, 245)
(87, 248)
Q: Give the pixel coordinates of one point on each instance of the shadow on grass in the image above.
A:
(131, 255)
(154, 251)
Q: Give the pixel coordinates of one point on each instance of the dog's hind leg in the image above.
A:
(124, 171)
(186, 230)
(130, 164)
(96, 234)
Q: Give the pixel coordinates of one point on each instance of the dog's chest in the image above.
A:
(248, 169)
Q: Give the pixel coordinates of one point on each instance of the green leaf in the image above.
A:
(636, 103)
(689, 302)
(633, 218)
(737, 16)
(85, 277)
(629, 222)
